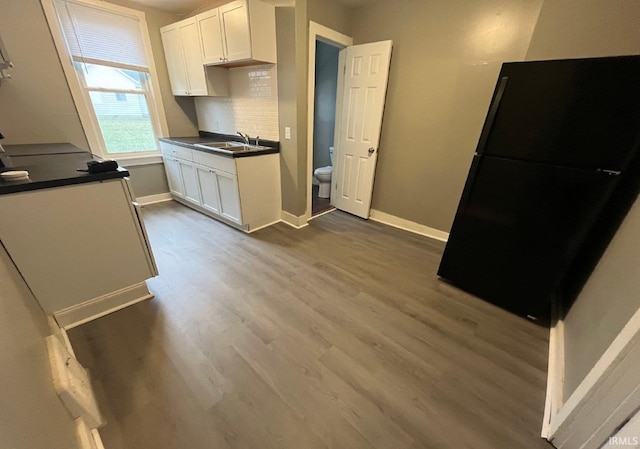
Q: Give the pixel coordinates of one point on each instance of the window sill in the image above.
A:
(134, 161)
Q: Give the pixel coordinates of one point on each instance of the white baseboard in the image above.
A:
(555, 375)
(608, 395)
(104, 305)
(153, 199)
(72, 384)
(262, 227)
(88, 438)
(294, 221)
(408, 225)
(85, 435)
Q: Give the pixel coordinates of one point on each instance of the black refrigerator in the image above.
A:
(555, 170)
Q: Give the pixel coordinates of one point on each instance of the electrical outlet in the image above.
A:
(287, 132)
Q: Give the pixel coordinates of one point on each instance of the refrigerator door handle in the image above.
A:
(491, 115)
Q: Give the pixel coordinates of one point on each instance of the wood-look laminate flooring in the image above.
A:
(338, 335)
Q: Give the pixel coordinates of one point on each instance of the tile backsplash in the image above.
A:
(252, 106)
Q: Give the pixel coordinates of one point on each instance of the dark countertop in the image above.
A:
(41, 149)
(207, 137)
(48, 167)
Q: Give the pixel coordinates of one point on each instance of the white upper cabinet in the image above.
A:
(175, 59)
(192, 58)
(236, 32)
(242, 32)
(211, 37)
(187, 74)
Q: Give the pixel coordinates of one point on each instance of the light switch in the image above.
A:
(287, 132)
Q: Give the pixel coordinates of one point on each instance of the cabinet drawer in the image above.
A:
(176, 150)
(226, 164)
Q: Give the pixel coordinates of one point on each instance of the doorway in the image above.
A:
(326, 85)
(324, 47)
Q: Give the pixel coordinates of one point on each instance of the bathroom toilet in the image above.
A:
(323, 175)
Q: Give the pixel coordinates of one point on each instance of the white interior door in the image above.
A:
(363, 86)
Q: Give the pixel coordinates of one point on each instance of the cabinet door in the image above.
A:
(172, 167)
(211, 37)
(208, 182)
(190, 180)
(235, 29)
(229, 197)
(175, 60)
(190, 41)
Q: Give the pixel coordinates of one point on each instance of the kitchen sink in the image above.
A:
(232, 147)
(222, 145)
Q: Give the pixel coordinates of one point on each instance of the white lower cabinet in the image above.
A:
(174, 178)
(190, 181)
(244, 192)
(229, 197)
(208, 182)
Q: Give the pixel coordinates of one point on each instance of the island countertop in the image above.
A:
(50, 165)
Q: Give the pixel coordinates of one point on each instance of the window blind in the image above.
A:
(98, 36)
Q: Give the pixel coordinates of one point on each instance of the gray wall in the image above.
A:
(586, 28)
(148, 179)
(589, 28)
(31, 415)
(332, 14)
(608, 300)
(37, 106)
(446, 58)
(288, 109)
(325, 103)
(292, 26)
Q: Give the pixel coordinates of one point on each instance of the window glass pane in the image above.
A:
(124, 121)
(110, 77)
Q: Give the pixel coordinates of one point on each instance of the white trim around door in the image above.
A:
(324, 34)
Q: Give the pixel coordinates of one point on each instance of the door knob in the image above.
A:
(371, 151)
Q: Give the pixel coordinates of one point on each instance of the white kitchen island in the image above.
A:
(77, 239)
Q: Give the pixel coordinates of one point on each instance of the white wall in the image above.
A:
(252, 105)
(31, 414)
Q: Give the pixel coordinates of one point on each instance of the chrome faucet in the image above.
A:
(257, 141)
(245, 137)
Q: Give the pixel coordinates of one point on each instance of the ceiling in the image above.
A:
(187, 6)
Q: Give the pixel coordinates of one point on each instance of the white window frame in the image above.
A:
(80, 92)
